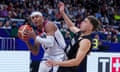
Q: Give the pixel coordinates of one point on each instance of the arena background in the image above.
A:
(14, 13)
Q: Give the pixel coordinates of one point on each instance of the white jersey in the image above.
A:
(55, 51)
(58, 47)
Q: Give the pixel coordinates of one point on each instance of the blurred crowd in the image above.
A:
(107, 11)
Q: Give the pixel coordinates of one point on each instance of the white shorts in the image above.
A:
(44, 68)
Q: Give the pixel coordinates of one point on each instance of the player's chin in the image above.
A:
(36, 24)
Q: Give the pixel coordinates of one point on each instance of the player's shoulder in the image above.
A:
(50, 27)
(85, 41)
(50, 24)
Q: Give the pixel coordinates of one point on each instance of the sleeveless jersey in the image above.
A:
(72, 51)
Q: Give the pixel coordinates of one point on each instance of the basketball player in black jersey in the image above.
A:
(81, 44)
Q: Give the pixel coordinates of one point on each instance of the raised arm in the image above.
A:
(69, 23)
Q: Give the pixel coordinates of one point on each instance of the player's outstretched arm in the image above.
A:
(69, 23)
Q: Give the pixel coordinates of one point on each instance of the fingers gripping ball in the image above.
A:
(22, 29)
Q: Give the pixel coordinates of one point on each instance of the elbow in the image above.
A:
(76, 63)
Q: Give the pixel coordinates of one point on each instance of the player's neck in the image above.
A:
(86, 33)
(40, 27)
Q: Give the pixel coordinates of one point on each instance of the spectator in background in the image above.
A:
(10, 6)
(67, 38)
(105, 20)
(64, 27)
(98, 14)
(7, 25)
(12, 14)
(4, 11)
(78, 22)
(58, 16)
(1, 24)
(108, 39)
(119, 39)
(14, 29)
(114, 31)
(119, 28)
(20, 13)
(114, 39)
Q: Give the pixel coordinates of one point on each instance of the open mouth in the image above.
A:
(36, 23)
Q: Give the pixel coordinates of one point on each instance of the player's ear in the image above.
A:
(42, 19)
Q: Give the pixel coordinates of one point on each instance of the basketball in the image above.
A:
(21, 31)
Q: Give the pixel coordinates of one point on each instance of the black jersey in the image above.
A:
(72, 51)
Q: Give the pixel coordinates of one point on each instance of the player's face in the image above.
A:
(86, 25)
(37, 20)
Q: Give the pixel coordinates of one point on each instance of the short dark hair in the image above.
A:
(94, 21)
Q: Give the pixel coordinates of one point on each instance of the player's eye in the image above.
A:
(33, 17)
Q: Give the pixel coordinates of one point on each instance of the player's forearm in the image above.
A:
(67, 20)
(70, 23)
(33, 49)
(69, 63)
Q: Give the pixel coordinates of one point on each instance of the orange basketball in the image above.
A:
(22, 29)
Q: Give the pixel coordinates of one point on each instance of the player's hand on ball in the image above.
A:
(61, 7)
(29, 34)
(25, 36)
(25, 32)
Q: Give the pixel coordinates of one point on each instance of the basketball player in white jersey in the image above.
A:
(51, 39)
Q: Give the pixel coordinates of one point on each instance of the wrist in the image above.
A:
(57, 63)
